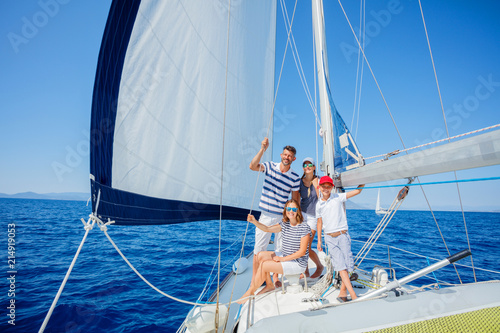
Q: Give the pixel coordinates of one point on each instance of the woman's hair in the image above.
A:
(300, 218)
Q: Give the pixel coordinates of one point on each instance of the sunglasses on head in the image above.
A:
(293, 209)
(307, 165)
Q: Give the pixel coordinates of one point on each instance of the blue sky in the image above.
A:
(49, 50)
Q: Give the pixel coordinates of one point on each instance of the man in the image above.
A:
(280, 180)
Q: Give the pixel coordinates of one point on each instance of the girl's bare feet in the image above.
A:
(266, 289)
(243, 298)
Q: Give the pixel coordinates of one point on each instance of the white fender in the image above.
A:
(201, 319)
(240, 265)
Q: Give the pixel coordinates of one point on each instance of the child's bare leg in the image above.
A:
(346, 285)
(314, 257)
(319, 266)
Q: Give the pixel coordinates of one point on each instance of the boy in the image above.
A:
(331, 216)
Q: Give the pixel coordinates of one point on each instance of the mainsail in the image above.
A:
(340, 152)
(176, 117)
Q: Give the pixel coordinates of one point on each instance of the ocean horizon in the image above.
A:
(82, 196)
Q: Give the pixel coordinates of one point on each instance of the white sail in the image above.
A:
(378, 209)
(179, 108)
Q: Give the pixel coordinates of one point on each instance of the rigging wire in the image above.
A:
(372, 240)
(421, 256)
(385, 102)
(448, 135)
(373, 74)
(298, 63)
(222, 173)
(359, 73)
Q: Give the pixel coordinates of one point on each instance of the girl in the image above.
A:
(295, 253)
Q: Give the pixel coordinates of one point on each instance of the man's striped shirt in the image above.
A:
(277, 187)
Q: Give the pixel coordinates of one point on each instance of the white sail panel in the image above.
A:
(172, 110)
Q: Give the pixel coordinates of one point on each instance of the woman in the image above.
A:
(309, 194)
(293, 258)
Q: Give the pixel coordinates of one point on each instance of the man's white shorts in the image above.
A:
(262, 238)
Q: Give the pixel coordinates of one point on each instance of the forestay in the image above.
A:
(162, 122)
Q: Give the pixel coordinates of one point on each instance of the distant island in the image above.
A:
(77, 196)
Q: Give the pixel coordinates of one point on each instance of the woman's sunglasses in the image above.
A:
(293, 209)
(307, 165)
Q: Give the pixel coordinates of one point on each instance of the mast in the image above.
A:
(327, 165)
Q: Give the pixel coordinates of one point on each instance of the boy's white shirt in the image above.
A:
(335, 215)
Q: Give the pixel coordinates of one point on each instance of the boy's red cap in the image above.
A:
(325, 179)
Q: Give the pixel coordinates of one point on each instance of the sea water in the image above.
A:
(103, 294)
